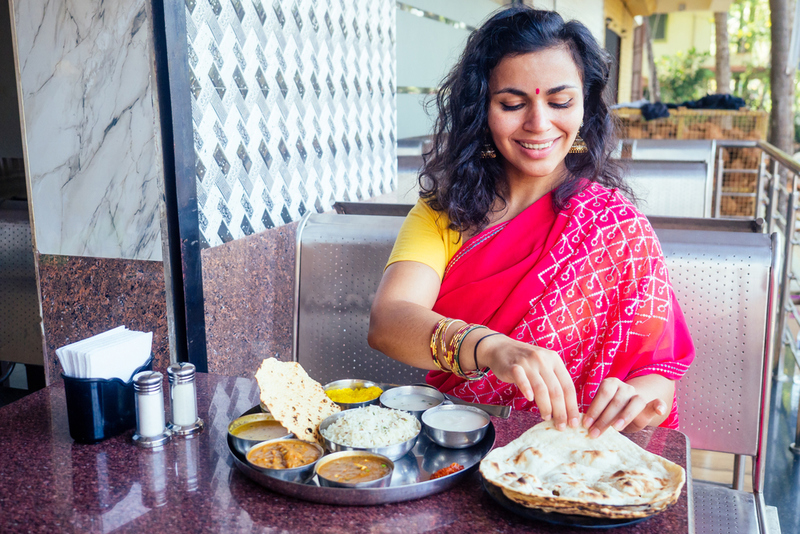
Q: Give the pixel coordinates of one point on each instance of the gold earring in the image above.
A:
(488, 151)
(578, 145)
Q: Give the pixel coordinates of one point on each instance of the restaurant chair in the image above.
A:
(339, 264)
(683, 150)
(724, 282)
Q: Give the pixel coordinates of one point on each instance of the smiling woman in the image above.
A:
(525, 275)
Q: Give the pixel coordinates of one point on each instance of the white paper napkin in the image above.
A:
(116, 353)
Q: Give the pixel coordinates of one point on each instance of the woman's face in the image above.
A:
(535, 111)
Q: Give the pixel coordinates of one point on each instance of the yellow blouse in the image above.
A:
(426, 238)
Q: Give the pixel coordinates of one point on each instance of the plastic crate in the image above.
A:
(695, 124)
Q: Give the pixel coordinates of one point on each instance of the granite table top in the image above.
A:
(49, 483)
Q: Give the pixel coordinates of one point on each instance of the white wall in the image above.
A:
(427, 49)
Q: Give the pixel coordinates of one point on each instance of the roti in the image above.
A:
(294, 398)
(566, 471)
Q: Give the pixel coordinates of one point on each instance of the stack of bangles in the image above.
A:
(452, 351)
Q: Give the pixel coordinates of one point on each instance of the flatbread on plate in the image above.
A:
(294, 398)
(566, 471)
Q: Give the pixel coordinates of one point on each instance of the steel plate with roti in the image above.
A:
(566, 473)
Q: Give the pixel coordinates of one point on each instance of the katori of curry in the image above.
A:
(354, 469)
(283, 454)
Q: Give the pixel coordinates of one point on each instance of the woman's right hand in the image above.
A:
(540, 375)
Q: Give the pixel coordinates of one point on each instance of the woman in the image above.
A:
(523, 276)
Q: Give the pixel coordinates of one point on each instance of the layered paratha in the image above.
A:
(294, 398)
(566, 471)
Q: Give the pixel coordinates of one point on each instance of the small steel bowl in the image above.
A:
(301, 474)
(398, 399)
(242, 445)
(377, 483)
(454, 439)
(352, 383)
(393, 452)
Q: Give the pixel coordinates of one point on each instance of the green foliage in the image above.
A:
(682, 77)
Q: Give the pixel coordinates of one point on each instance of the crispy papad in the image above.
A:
(566, 471)
(294, 398)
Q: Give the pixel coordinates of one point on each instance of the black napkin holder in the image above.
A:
(99, 408)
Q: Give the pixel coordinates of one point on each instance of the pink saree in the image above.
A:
(589, 283)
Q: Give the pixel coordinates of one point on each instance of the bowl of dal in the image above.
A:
(248, 430)
(291, 459)
(353, 393)
(354, 469)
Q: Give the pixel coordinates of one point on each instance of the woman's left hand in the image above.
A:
(629, 406)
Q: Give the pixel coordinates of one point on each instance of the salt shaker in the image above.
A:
(183, 400)
(150, 428)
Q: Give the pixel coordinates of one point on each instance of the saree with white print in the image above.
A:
(588, 282)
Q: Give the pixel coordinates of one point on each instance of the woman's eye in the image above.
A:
(562, 105)
(511, 107)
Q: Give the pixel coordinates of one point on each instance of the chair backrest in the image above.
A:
(340, 261)
(670, 188)
(723, 281)
(724, 284)
(674, 149)
(680, 150)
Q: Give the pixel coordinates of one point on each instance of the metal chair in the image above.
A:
(670, 188)
(339, 264)
(724, 282)
(681, 150)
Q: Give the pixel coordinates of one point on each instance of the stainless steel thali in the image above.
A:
(410, 479)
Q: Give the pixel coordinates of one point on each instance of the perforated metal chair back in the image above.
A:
(722, 282)
(340, 261)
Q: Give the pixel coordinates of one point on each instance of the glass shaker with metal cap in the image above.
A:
(183, 400)
(150, 428)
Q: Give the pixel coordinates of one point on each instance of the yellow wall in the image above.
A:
(622, 24)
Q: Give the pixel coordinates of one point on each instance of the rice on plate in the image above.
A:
(372, 426)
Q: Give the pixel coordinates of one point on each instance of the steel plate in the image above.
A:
(410, 479)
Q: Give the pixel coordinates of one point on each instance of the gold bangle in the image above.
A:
(443, 343)
(456, 356)
(452, 355)
(435, 334)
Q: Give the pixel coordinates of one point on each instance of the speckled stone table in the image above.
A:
(48, 483)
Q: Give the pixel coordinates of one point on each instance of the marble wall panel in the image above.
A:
(82, 297)
(248, 288)
(93, 141)
(293, 108)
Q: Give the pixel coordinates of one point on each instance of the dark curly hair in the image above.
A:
(454, 179)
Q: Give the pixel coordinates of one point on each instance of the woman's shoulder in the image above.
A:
(422, 210)
(601, 198)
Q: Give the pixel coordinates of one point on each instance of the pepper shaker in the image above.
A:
(183, 400)
(150, 428)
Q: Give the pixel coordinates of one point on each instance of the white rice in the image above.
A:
(372, 426)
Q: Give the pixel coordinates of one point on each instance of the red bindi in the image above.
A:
(537, 90)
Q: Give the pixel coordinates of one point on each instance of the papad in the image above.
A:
(294, 398)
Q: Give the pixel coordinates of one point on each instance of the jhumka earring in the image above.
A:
(579, 145)
(488, 151)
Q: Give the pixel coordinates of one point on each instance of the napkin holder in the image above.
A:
(99, 408)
